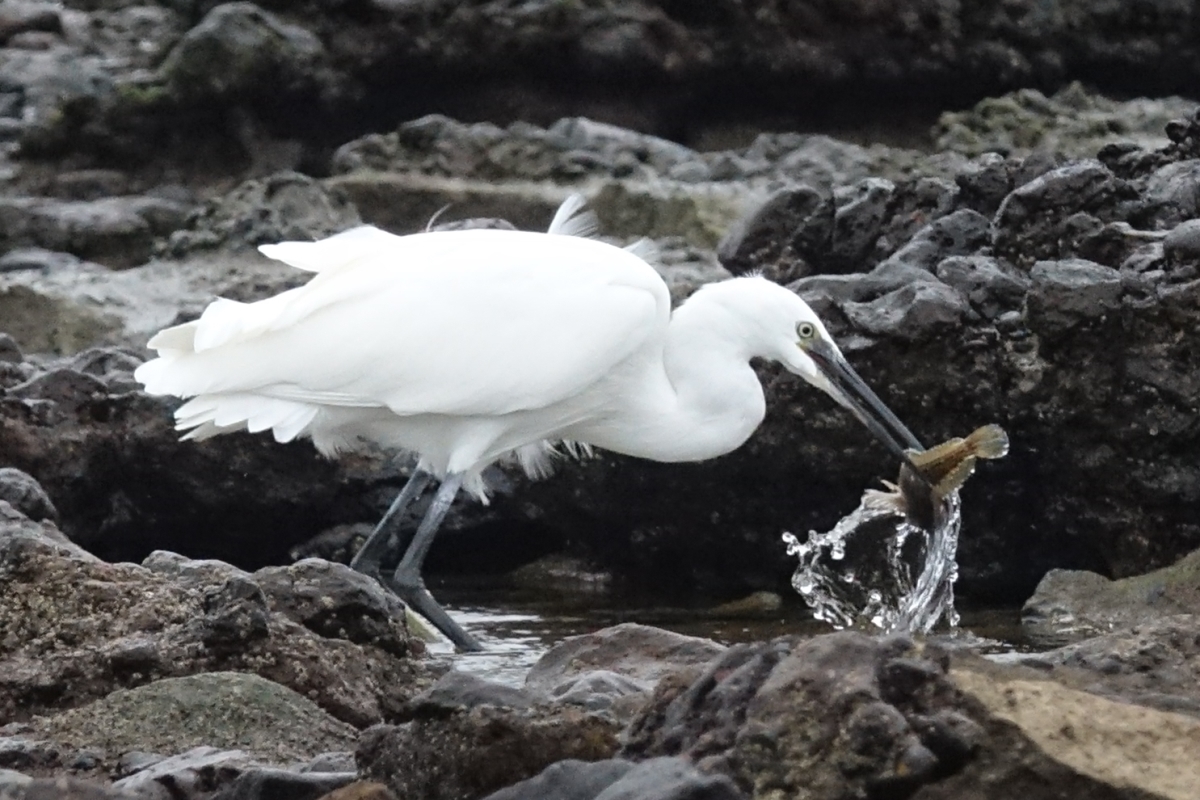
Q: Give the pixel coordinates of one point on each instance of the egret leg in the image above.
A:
(407, 581)
(386, 536)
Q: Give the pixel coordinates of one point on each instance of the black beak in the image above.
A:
(864, 403)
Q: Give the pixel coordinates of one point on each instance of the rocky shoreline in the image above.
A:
(193, 679)
(1034, 260)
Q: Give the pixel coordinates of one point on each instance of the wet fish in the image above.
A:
(943, 470)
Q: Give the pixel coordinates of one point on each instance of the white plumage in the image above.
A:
(412, 340)
(472, 345)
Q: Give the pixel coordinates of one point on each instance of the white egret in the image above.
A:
(471, 345)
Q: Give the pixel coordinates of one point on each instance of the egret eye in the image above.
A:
(806, 331)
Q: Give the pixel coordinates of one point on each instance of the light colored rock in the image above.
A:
(12, 781)
(1070, 605)
(1073, 122)
(1129, 747)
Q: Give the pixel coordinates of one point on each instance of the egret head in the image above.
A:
(815, 357)
(766, 320)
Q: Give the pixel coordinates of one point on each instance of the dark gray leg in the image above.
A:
(383, 540)
(407, 581)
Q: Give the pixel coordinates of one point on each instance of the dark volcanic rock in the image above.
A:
(336, 602)
(116, 231)
(311, 68)
(262, 783)
(960, 233)
(1034, 219)
(458, 691)
(917, 203)
(200, 769)
(567, 780)
(861, 211)
(125, 486)
(988, 284)
(844, 715)
(26, 495)
(286, 206)
(1070, 292)
(637, 651)
(781, 237)
(1172, 193)
(566, 151)
(241, 53)
(75, 628)
(1182, 244)
(916, 311)
(670, 779)
(617, 779)
(10, 351)
(442, 754)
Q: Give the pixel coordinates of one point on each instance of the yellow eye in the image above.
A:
(806, 330)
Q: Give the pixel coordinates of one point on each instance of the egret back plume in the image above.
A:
(574, 219)
(645, 249)
(336, 251)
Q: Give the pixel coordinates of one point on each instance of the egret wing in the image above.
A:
(461, 323)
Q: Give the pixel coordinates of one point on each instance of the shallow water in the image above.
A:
(517, 627)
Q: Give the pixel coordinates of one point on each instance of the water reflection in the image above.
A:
(516, 627)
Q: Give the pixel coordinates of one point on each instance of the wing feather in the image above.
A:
(463, 322)
(335, 251)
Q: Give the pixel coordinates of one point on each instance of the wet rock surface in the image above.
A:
(615, 669)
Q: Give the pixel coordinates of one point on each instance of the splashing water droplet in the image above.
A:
(876, 567)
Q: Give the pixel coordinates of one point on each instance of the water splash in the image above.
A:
(876, 567)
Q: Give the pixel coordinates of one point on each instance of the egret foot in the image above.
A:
(411, 589)
(407, 583)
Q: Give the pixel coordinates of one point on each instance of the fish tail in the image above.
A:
(990, 441)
